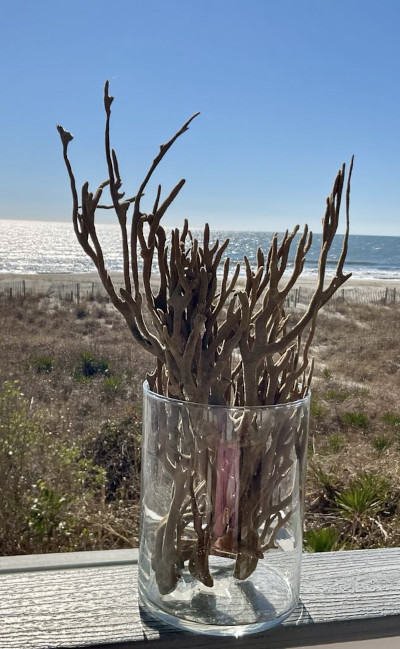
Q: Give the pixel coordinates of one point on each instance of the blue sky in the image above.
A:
(287, 92)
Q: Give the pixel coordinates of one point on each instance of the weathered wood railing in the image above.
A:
(89, 600)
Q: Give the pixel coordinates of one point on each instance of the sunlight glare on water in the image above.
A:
(33, 247)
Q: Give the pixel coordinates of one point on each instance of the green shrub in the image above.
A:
(89, 366)
(42, 364)
(381, 442)
(80, 313)
(112, 386)
(365, 494)
(328, 481)
(316, 408)
(355, 419)
(339, 395)
(336, 442)
(324, 539)
(327, 374)
(48, 512)
(19, 434)
(43, 481)
(116, 448)
(392, 419)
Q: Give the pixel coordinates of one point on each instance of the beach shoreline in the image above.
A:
(309, 282)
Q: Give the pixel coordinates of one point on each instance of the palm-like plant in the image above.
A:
(364, 496)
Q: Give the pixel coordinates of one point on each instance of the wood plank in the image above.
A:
(344, 596)
(66, 560)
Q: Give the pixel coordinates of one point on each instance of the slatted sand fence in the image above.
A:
(65, 290)
(81, 289)
(300, 296)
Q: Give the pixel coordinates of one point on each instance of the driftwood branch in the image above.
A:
(218, 341)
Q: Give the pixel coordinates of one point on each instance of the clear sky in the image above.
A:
(287, 91)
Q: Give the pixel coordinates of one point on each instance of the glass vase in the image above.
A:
(221, 513)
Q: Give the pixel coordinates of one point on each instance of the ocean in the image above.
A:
(33, 247)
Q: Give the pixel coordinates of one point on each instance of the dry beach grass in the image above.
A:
(70, 417)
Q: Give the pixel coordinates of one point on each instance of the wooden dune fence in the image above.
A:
(300, 296)
(77, 292)
(61, 291)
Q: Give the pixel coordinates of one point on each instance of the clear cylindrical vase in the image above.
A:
(221, 513)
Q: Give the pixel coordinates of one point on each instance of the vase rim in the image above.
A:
(286, 404)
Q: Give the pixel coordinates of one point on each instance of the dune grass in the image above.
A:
(70, 420)
(354, 451)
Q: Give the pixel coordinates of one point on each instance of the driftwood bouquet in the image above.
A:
(217, 339)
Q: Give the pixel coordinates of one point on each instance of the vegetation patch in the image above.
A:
(112, 386)
(42, 364)
(365, 494)
(43, 482)
(338, 395)
(336, 442)
(88, 366)
(381, 443)
(392, 419)
(316, 407)
(116, 448)
(355, 419)
(324, 539)
(62, 440)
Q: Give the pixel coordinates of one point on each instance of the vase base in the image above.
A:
(213, 629)
(229, 608)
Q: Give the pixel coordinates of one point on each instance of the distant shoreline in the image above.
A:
(90, 277)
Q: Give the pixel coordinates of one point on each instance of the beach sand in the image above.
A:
(372, 285)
